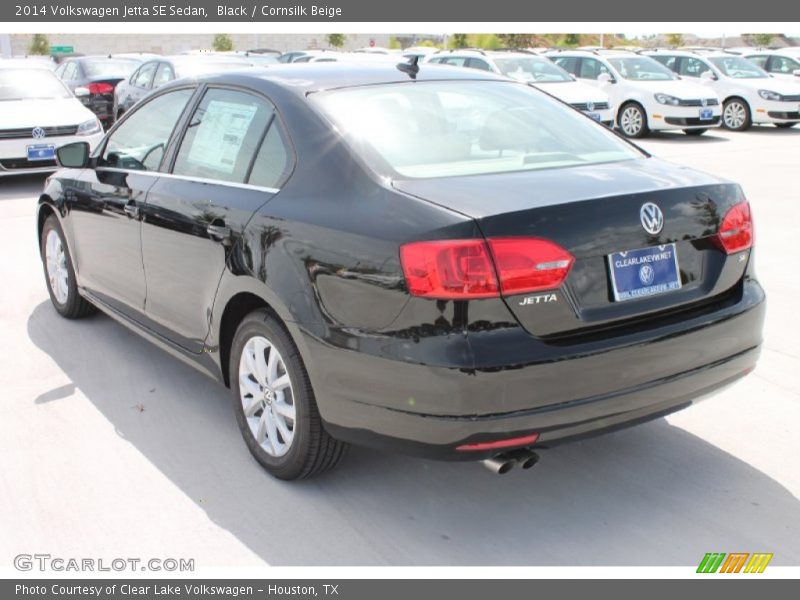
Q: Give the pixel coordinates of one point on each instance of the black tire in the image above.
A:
(694, 131)
(785, 125)
(632, 132)
(727, 119)
(312, 450)
(75, 306)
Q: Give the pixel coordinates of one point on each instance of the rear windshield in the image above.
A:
(528, 68)
(738, 67)
(641, 68)
(30, 84)
(109, 68)
(455, 128)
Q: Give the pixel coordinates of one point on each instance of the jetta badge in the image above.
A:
(652, 218)
(38, 133)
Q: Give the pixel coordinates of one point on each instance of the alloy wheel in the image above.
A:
(57, 271)
(735, 115)
(265, 389)
(631, 121)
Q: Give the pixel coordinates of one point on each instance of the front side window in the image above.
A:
(140, 140)
(783, 65)
(641, 68)
(455, 128)
(692, 67)
(591, 68)
(145, 75)
(568, 63)
(477, 63)
(163, 75)
(737, 67)
(223, 136)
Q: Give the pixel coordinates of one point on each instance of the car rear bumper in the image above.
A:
(601, 386)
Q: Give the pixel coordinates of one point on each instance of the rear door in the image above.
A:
(230, 161)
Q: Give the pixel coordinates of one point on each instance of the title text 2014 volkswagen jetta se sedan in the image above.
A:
(438, 262)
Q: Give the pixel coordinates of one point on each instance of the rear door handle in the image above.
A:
(221, 233)
(132, 210)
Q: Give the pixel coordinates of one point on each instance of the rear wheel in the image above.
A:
(632, 121)
(60, 274)
(736, 115)
(274, 403)
(785, 125)
(694, 131)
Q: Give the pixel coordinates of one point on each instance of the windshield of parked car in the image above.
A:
(641, 68)
(455, 128)
(109, 68)
(30, 84)
(529, 68)
(737, 67)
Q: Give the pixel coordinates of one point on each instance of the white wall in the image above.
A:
(175, 43)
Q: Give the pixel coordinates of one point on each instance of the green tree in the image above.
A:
(572, 39)
(674, 39)
(40, 45)
(515, 40)
(222, 42)
(762, 39)
(459, 40)
(336, 40)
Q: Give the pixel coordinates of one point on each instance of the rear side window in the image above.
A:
(274, 160)
(477, 63)
(223, 136)
(140, 141)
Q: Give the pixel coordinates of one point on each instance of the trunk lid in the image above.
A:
(592, 212)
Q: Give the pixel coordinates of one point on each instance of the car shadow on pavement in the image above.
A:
(651, 495)
(680, 137)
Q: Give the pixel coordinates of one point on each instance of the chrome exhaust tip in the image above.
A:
(524, 457)
(500, 464)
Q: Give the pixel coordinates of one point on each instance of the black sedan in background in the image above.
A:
(154, 73)
(100, 75)
(424, 259)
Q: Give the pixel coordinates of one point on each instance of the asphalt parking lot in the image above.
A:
(112, 448)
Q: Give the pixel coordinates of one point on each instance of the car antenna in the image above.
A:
(411, 68)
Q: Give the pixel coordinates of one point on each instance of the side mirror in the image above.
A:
(708, 76)
(796, 72)
(82, 92)
(73, 156)
(605, 78)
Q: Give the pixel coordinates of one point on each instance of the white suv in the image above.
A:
(536, 71)
(749, 94)
(783, 64)
(647, 95)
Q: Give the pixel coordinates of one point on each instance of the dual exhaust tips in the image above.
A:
(503, 463)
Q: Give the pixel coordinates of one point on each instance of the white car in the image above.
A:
(536, 71)
(38, 113)
(647, 95)
(783, 64)
(749, 94)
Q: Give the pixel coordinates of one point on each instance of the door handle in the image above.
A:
(132, 210)
(221, 233)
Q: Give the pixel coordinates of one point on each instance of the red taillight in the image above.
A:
(463, 269)
(100, 88)
(736, 231)
(449, 269)
(517, 442)
(529, 264)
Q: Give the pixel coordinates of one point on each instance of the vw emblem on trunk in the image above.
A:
(652, 218)
(590, 106)
(38, 133)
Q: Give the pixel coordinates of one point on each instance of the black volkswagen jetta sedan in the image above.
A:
(439, 262)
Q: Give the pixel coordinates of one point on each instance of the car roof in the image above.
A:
(593, 53)
(306, 78)
(487, 53)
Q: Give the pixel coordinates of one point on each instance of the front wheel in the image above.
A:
(694, 131)
(736, 115)
(632, 121)
(785, 125)
(274, 403)
(60, 274)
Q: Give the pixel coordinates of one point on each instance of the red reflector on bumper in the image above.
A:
(525, 440)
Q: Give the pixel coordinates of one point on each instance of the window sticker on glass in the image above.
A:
(220, 135)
